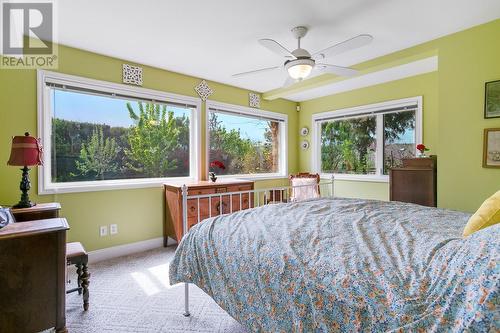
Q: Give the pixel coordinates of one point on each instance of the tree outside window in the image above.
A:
(103, 138)
(349, 146)
(245, 145)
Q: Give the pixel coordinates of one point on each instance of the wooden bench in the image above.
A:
(76, 255)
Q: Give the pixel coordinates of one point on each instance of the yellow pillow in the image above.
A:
(488, 214)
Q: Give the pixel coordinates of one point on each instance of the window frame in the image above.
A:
(358, 111)
(44, 128)
(238, 109)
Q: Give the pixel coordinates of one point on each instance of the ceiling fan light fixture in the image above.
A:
(299, 63)
(299, 69)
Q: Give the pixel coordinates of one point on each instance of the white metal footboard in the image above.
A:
(256, 198)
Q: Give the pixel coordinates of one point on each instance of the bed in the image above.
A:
(327, 265)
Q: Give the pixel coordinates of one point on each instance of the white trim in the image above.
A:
(245, 110)
(419, 115)
(379, 158)
(45, 185)
(353, 112)
(256, 176)
(315, 144)
(125, 249)
(111, 87)
(418, 67)
(283, 148)
(110, 185)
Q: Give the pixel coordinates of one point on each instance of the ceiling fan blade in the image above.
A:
(344, 46)
(257, 71)
(288, 82)
(337, 70)
(276, 48)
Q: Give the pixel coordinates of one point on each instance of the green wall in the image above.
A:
(138, 212)
(453, 114)
(467, 61)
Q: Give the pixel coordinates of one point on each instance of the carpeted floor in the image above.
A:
(132, 294)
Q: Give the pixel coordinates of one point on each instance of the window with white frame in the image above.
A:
(248, 142)
(99, 135)
(364, 142)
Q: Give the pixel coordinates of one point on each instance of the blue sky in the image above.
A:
(250, 128)
(90, 108)
(113, 112)
(407, 138)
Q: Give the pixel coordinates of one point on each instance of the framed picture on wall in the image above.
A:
(492, 99)
(491, 150)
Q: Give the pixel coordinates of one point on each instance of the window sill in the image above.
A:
(255, 177)
(356, 178)
(94, 186)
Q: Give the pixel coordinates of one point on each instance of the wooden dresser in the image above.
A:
(32, 276)
(415, 182)
(173, 203)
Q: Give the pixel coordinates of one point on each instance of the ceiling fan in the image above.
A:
(300, 63)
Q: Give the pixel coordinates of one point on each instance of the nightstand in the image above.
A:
(39, 212)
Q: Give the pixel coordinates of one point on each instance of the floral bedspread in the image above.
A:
(328, 265)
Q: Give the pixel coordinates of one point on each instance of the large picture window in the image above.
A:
(364, 142)
(348, 146)
(102, 135)
(248, 142)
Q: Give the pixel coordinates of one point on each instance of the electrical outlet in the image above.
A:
(113, 229)
(103, 230)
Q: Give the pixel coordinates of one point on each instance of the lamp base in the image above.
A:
(25, 186)
(24, 204)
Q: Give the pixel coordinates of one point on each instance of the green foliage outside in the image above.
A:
(395, 126)
(349, 146)
(98, 155)
(157, 145)
(242, 155)
(153, 141)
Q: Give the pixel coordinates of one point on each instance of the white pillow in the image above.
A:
(305, 192)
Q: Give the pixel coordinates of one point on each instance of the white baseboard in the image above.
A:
(126, 249)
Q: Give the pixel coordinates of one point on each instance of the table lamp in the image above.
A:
(26, 151)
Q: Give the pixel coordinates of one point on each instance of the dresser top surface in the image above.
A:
(40, 207)
(207, 183)
(29, 228)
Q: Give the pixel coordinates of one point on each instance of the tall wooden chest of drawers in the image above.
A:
(415, 182)
(215, 206)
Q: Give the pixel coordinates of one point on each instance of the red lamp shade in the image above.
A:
(26, 151)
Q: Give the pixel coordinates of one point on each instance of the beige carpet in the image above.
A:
(132, 294)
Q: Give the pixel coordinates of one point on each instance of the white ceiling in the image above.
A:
(216, 38)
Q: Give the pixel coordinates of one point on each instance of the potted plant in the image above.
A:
(421, 150)
(215, 165)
